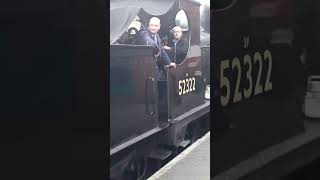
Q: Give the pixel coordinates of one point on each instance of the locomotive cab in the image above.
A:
(181, 95)
(146, 112)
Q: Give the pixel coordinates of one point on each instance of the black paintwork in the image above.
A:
(128, 70)
(133, 92)
(147, 114)
(246, 127)
(133, 95)
(180, 104)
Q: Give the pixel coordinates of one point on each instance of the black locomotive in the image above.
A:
(260, 77)
(151, 119)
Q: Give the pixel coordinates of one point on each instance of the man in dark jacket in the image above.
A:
(151, 37)
(177, 48)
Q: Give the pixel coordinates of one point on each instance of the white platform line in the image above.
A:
(182, 155)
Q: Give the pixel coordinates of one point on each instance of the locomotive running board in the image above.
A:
(193, 113)
(138, 138)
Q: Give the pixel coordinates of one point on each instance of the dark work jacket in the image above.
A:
(144, 37)
(178, 53)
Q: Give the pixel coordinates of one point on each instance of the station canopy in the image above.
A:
(123, 12)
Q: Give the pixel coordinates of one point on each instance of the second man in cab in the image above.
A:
(177, 48)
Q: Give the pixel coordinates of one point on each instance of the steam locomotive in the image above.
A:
(151, 120)
(260, 75)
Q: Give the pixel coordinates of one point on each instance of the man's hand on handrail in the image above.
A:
(172, 65)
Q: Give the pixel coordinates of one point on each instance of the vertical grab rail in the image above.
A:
(147, 87)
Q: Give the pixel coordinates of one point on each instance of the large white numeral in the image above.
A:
(194, 83)
(237, 95)
(180, 88)
(184, 86)
(187, 84)
(224, 82)
(247, 91)
(258, 88)
(247, 60)
(267, 56)
(190, 87)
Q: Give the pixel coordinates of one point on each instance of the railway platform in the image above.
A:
(193, 163)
